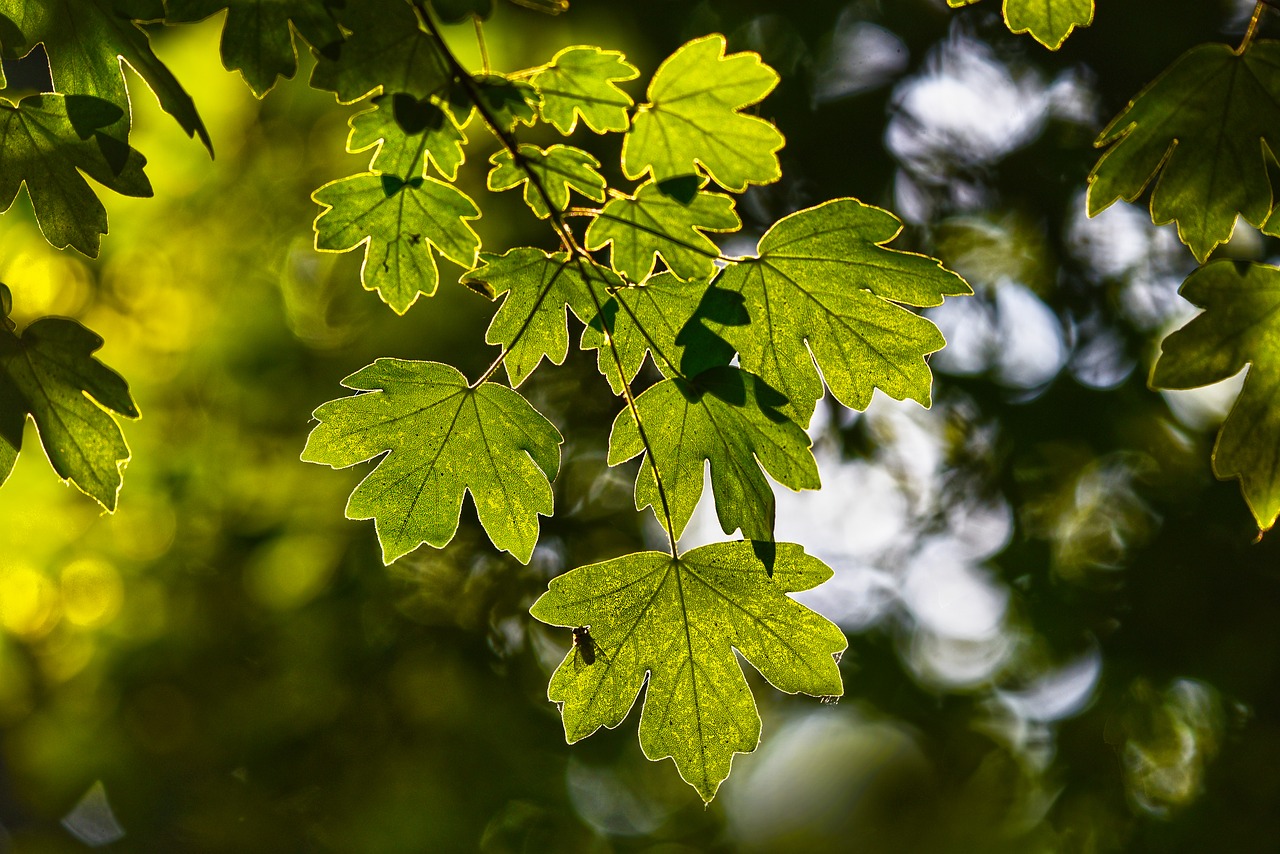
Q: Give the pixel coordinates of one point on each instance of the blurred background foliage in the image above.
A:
(1063, 633)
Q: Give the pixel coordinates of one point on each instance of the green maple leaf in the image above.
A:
(1048, 21)
(408, 132)
(823, 288)
(667, 220)
(256, 38)
(677, 621)
(724, 416)
(387, 50)
(1238, 327)
(401, 221)
(693, 119)
(655, 317)
(50, 374)
(531, 321)
(46, 142)
(441, 438)
(581, 82)
(556, 170)
(1206, 125)
(85, 41)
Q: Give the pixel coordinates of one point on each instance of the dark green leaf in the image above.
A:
(256, 39)
(444, 439)
(693, 119)
(823, 287)
(386, 51)
(50, 374)
(46, 141)
(1239, 326)
(1205, 125)
(581, 82)
(85, 40)
(401, 221)
(677, 622)
(729, 418)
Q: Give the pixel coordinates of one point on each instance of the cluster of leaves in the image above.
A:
(743, 347)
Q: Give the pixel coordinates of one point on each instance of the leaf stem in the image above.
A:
(579, 255)
(484, 49)
(1258, 9)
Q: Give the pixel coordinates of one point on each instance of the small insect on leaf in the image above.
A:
(586, 645)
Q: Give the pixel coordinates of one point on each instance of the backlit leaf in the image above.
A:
(46, 141)
(407, 133)
(508, 102)
(1048, 21)
(658, 221)
(85, 40)
(1206, 126)
(1240, 325)
(556, 170)
(693, 119)
(538, 288)
(256, 38)
(677, 622)
(401, 222)
(823, 287)
(50, 374)
(581, 82)
(438, 438)
(733, 420)
(655, 318)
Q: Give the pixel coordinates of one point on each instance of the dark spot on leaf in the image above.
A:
(767, 552)
(415, 116)
(391, 185)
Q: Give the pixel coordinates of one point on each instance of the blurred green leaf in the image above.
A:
(401, 222)
(49, 373)
(824, 283)
(1048, 21)
(46, 141)
(678, 622)
(556, 170)
(454, 11)
(1205, 126)
(1238, 327)
(581, 82)
(693, 119)
(256, 38)
(538, 288)
(658, 221)
(85, 40)
(729, 418)
(444, 438)
(408, 132)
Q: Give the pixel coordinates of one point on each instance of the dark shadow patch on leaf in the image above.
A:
(703, 348)
(767, 553)
(415, 116)
(683, 189)
(88, 113)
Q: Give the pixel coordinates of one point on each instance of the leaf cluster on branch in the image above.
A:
(744, 346)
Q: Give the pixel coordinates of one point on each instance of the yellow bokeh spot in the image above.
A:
(29, 605)
(292, 570)
(45, 281)
(92, 592)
